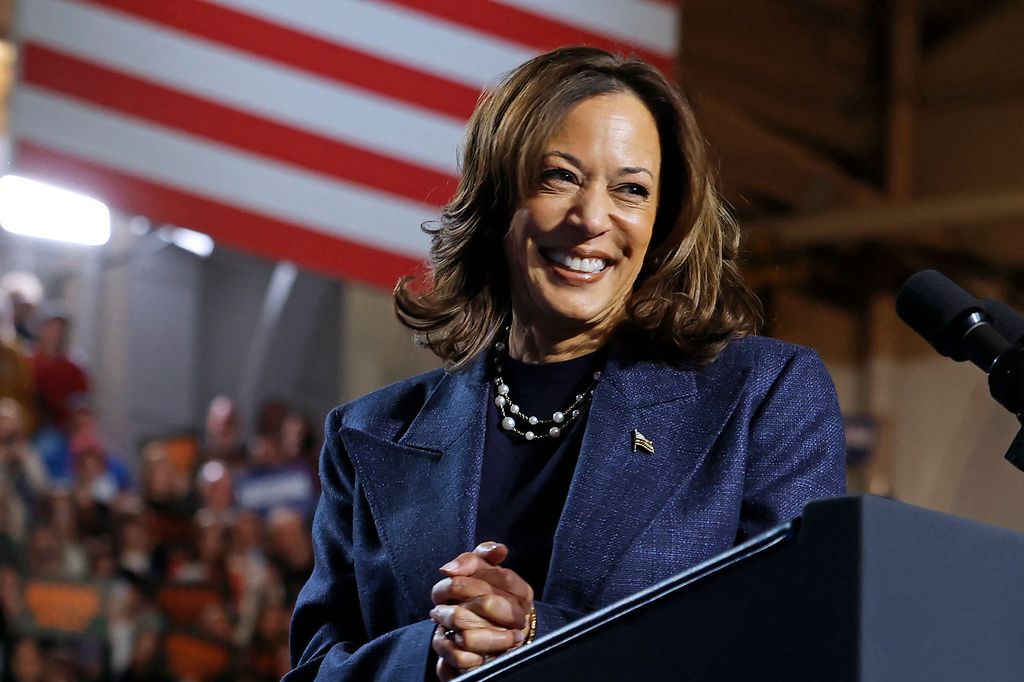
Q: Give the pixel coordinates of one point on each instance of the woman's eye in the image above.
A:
(558, 175)
(635, 190)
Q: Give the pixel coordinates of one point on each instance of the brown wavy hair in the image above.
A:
(689, 299)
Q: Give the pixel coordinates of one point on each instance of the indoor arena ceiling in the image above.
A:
(812, 110)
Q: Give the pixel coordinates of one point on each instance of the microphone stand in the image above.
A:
(1015, 454)
(1006, 383)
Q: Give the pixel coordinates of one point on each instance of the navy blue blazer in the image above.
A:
(740, 445)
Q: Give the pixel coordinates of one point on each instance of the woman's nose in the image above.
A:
(591, 213)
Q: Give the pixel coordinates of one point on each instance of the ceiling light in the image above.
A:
(190, 240)
(35, 209)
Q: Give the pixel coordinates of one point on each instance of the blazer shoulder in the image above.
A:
(760, 361)
(763, 354)
(387, 410)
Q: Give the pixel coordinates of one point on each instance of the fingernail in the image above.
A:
(450, 566)
(518, 636)
(489, 546)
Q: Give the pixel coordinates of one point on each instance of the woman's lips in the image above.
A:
(577, 267)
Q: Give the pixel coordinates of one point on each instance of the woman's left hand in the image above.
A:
(481, 610)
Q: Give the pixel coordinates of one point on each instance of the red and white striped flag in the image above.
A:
(318, 131)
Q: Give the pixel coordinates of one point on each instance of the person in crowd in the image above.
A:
(99, 474)
(216, 492)
(299, 444)
(58, 378)
(16, 380)
(23, 479)
(290, 548)
(222, 438)
(606, 411)
(27, 662)
(273, 481)
(165, 488)
(25, 292)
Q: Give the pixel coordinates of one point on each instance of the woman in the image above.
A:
(605, 413)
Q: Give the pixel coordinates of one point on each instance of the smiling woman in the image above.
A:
(606, 419)
(576, 244)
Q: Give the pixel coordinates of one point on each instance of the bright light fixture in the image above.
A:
(190, 240)
(35, 209)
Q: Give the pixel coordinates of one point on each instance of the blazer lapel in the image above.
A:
(423, 489)
(616, 493)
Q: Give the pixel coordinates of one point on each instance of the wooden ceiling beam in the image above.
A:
(855, 134)
(983, 58)
(895, 219)
(795, 174)
(802, 78)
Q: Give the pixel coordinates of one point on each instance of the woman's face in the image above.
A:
(577, 242)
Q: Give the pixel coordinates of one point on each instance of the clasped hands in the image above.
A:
(481, 610)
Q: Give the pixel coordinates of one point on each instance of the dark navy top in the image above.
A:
(524, 484)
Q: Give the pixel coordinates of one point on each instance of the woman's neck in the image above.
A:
(531, 343)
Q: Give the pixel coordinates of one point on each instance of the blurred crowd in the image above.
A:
(180, 560)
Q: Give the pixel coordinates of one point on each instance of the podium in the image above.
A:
(858, 589)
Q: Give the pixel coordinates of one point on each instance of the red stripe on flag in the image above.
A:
(528, 28)
(230, 225)
(304, 51)
(129, 95)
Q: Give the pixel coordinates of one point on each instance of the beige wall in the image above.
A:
(943, 437)
(375, 349)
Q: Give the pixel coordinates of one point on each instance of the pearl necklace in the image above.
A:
(512, 415)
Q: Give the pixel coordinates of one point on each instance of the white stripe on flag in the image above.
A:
(201, 167)
(644, 24)
(243, 81)
(410, 38)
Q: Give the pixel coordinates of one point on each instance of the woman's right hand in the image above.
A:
(481, 610)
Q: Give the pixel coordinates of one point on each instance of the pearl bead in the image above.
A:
(597, 375)
(508, 423)
(558, 417)
(575, 413)
(513, 408)
(530, 435)
(579, 397)
(533, 421)
(500, 401)
(554, 431)
(500, 345)
(502, 389)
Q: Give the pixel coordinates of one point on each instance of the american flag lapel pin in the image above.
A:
(642, 442)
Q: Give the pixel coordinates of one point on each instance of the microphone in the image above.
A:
(962, 327)
(1006, 319)
(959, 326)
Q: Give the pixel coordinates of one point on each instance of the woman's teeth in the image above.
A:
(575, 263)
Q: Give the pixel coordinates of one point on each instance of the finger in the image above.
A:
(448, 652)
(462, 588)
(496, 610)
(488, 641)
(486, 554)
(458, 618)
(506, 580)
(493, 552)
(445, 672)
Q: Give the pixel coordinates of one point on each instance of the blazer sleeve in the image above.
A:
(328, 640)
(797, 448)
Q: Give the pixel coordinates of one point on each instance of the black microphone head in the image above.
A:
(1006, 320)
(935, 307)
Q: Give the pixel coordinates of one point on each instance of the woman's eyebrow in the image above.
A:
(629, 170)
(567, 156)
